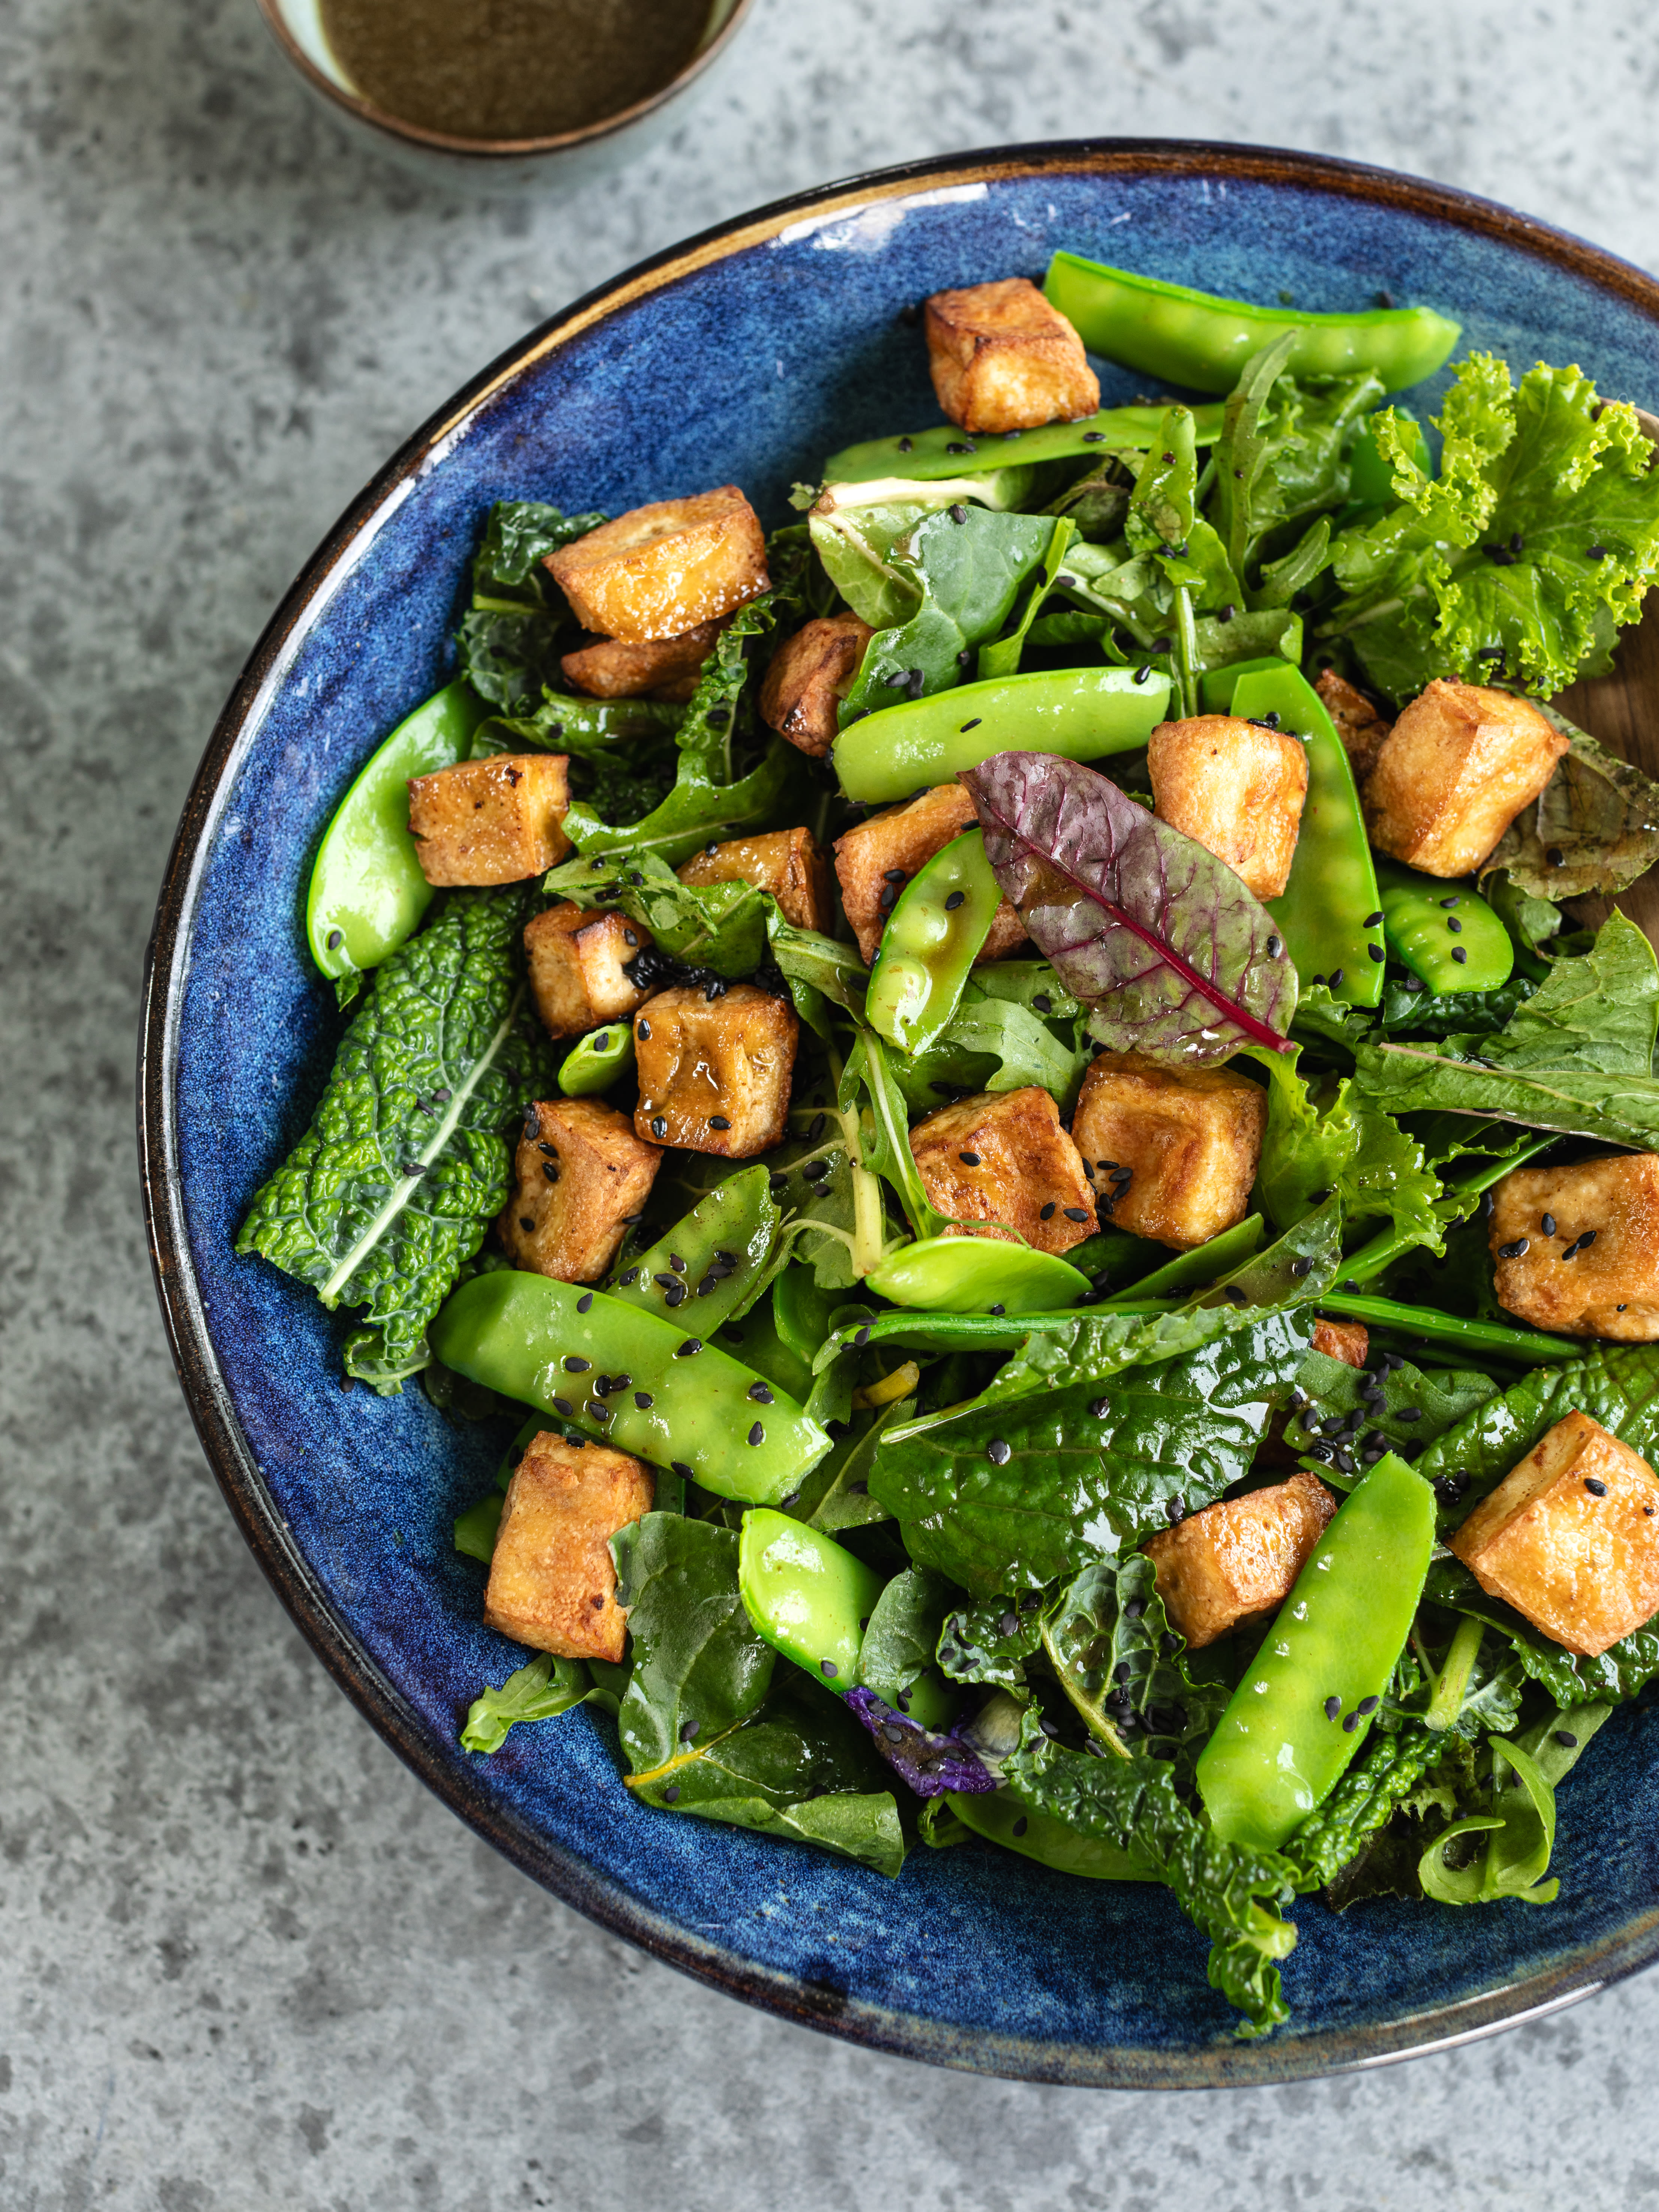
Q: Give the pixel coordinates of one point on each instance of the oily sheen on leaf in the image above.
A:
(1172, 955)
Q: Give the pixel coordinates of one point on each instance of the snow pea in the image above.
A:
(1205, 1263)
(1525, 1347)
(805, 1594)
(367, 893)
(1081, 714)
(947, 450)
(1200, 340)
(712, 1256)
(976, 1274)
(801, 1311)
(598, 1060)
(682, 1403)
(1445, 933)
(1000, 1819)
(1326, 907)
(1303, 1707)
(934, 934)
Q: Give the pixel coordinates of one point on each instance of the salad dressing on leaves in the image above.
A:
(510, 69)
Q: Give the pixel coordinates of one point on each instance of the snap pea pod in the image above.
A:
(1205, 1263)
(1000, 1819)
(1202, 341)
(1445, 933)
(1327, 909)
(711, 1258)
(947, 450)
(598, 1060)
(683, 1404)
(805, 1594)
(1303, 1707)
(368, 893)
(975, 1274)
(1525, 1347)
(1081, 714)
(935, 932)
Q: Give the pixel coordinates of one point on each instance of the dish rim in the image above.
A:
(599, 1897)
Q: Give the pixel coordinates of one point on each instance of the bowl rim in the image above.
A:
(603, 1900)
(486, 150)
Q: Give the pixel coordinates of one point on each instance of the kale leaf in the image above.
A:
(390, 1191)
(1125, 1668)
(510, 636)
(1618, 1672)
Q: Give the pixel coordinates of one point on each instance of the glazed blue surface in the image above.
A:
(748, 371)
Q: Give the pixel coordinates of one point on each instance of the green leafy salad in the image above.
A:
(1000, 1087)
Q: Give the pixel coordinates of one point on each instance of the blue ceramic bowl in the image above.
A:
(743, 357)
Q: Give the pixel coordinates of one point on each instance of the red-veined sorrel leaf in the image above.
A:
(1174, 957)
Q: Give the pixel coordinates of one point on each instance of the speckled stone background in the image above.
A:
(245, 1961)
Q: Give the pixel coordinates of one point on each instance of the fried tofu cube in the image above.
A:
(715, 1069)
(552, 1585)
(1357, 723)
(1239, 1557)
(667, 667)
(1457, 766)
(1235, 788)
(1175, 1149)
(493, 821)
(1003, 359)
(1594, 1271)
(1347, 1341)
(1571, 1537)
(811, 674)
(578, 964)
(580, 1175)
(1002, 1158)
(877, 858)
(661, 570)
(786, 862)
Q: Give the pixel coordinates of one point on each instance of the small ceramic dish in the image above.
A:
(508, 166)
(743, 357)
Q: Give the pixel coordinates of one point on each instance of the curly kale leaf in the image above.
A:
(1227, 1892)
(510, 638)
(1126, 1670)
(390, 1191)
(1364, 1800)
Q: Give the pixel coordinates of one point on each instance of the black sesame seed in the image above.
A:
(1176, 1508)
(1336, 979)
(678, 1467)
(998, 1310)
(969, 1159)
(644, 1400)
(689, 1349)
(526, 1222)
(1372, 920)
(674, 1295)
(757, 1435)
(718, 1121)
(828, 1666)
(956, 512)
(904, 445)
(1555, 856)
(973, 725)
(1351, 1723)
(1047, 1213)
(954, 900)
(1377, 952)
(1020, 1826)
(658, 1125)
(1075, 1212)
(1368, 1704)
(861, 1337)
(1275, 945)
(1454, 925)
(643, 1029)
(998, 1451)
(760, 1394)
(1225, 613)
(958, 446)
(1595, 1486)
(1513, 1251)
(1301, 1267)
(1596, 552)
(1098, 1408)
(1565, 1738)
(561, 1405)
(672, 1794)
(1009, 1624)
(1142, 673)
(1459, 954)
(335, 940)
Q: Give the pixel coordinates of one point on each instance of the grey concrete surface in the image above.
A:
(245, 1961)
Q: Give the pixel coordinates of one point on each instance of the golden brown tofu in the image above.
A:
(1347, 1341)
(1457, 766)
(661, 570)
(1003, 359)
(1177, 1148)
(1358, 725)
(1571, 1537)
(811, 674)
(577, 963)
(876, 859)
(580, 1176)
(609, 668)
(1577, 1249)
(1239, 1557)
(493, 821)
(1003, 1158)
(552, 1585)
(714, 1072)
(786, 862)
(1235, 788)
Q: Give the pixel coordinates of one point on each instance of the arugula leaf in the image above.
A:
(1577, 1057)
(1592, 832)
(1539, 535)
(1225, 1890)
(1010, 1495)
(508, 641)
(701, 1725)
(1003, 655)
(1164, 520)
(539, 1691)
(868, 1085)
(994, 1043)
(965, 567)
(1284, 452)
(1124, 1667)
(1157, 936)
(722, 926)
(390, 1189)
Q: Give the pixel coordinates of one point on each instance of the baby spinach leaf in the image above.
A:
(1227, 1892)
(903, 1634)
(1158, 938)
(1592, 832)
(1010, 1496)
(1577, 1057)
(391, 1188)
(539, 1691)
